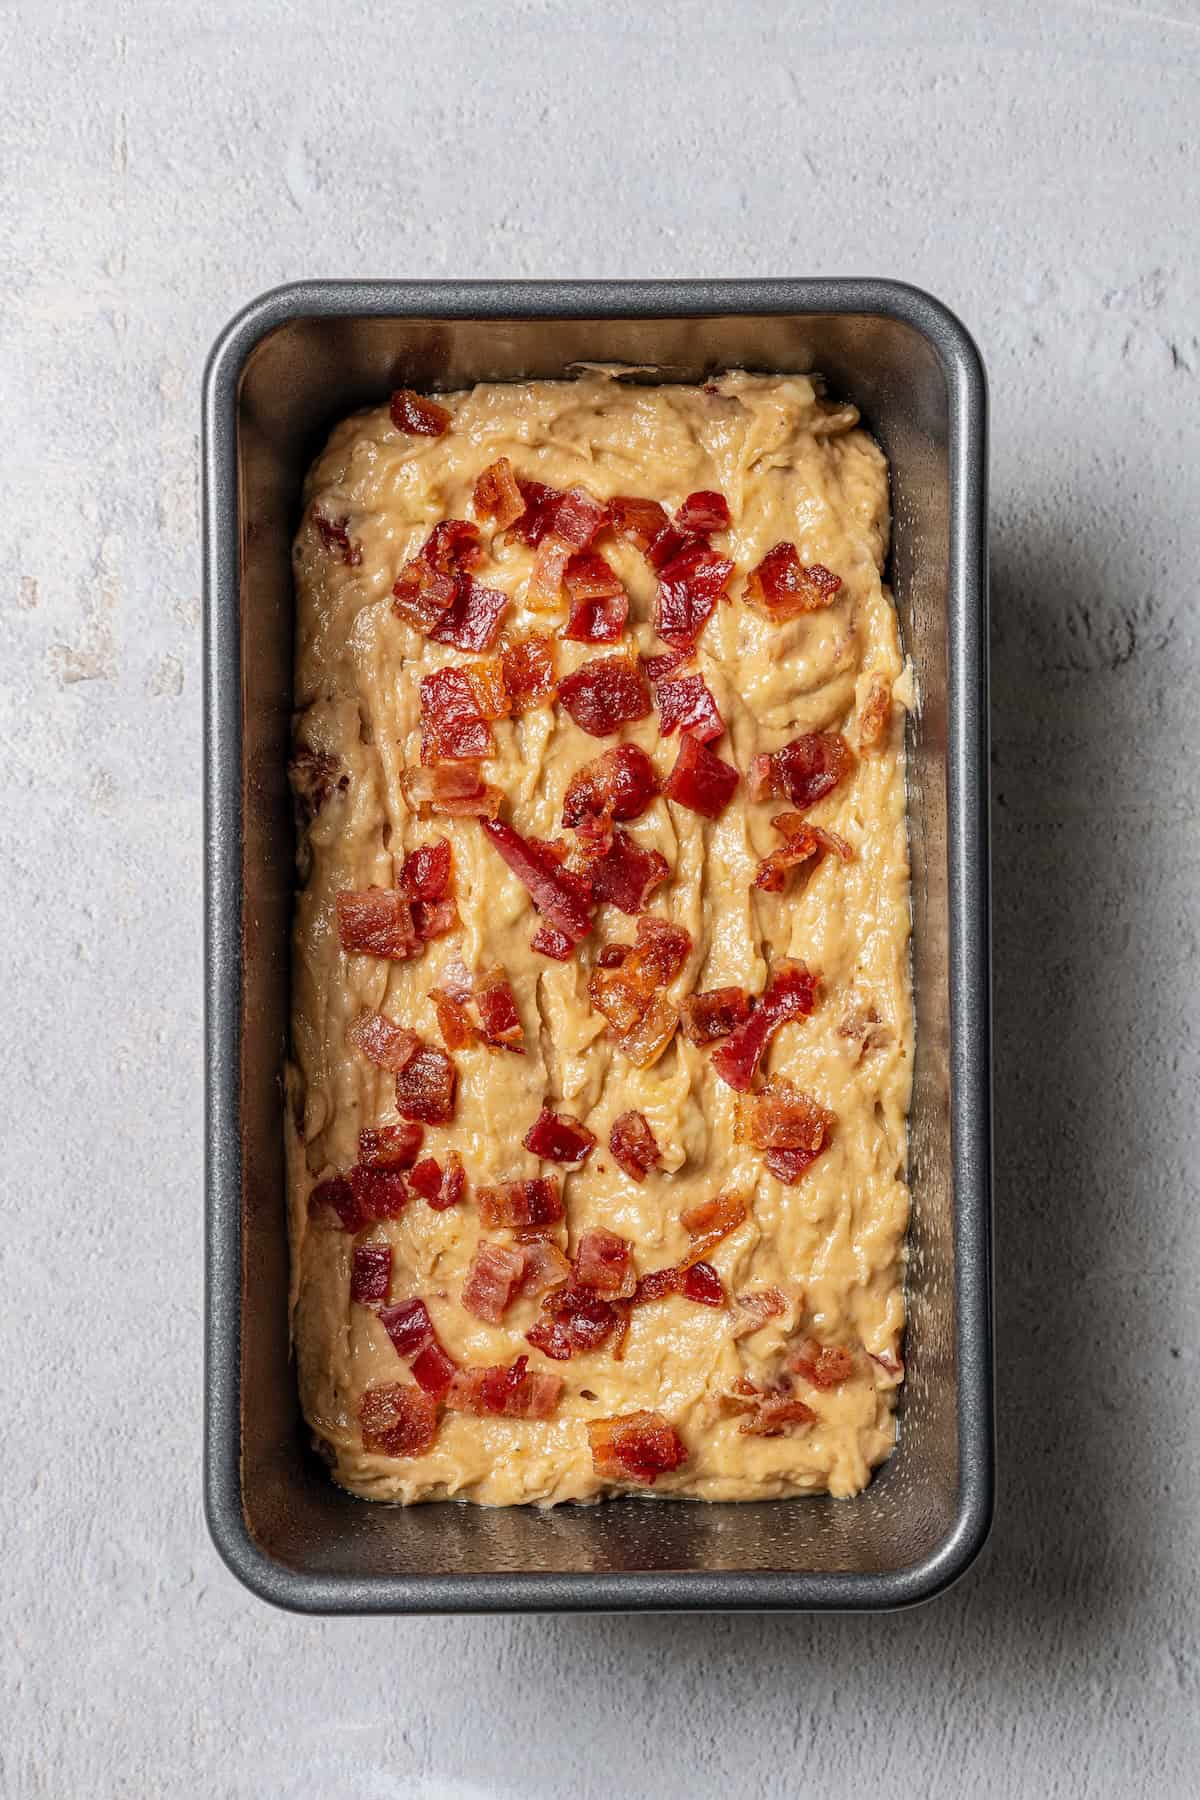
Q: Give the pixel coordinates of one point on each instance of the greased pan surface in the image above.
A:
(281, 374)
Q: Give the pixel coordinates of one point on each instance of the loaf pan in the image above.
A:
(281, 374)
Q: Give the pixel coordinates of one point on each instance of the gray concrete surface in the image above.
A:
(1035, 166)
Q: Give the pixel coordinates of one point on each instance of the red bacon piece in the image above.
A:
(332, 1203)
(605, 694)
(611, 956)
(784, 587)
(454, 1019)
(521, 1205)
(599, 603)
(544, 589)
(387, 1045)
(687, 704)
(420, 417)
(398, 1420)
(335, 536)
(497, 495)
(454, 792)
(379, 1193)
(802, 843)
(709, 1221)
(700, 1283)
(825, 1365)
(559, 1137)
(633, 1145)
(512, 1393)
(472, 620)
(561, 897)
(413, 1337)
(452, 727)
(572, 515)
(638, 1446)
(629, 994)
(791, 993)
(604, 1262)
(429, 582)
(875, 714)
(499, 1019)
(492, 1280)
(427, 871)
(377, 922)
(390, 1146)
(425, 1087)
(703, 1018)
(440, 1188)
(805, 770)
(689, 587)
(703, 512)
(661, 668)
(774, 1413)
(626, 875)
(529, 671)
(700, 780)
(370, 1272)
(788, 1124)
(573, 1318)
(757, 1305)
(639, 522)
(549, 942)
(620, 784)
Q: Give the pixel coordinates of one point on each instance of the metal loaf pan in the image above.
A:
(283, 372)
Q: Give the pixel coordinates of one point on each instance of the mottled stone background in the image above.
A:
(1035, 166)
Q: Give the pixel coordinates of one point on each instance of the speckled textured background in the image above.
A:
(1033, 165)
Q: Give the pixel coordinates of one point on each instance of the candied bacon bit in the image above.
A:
(656, 1285)
(430, 582)
(704, 511)
(659, 951)
(784, 587)
(514, 1393)
(529, 670)
(703, 1018)
(427, 871)
(544, 589)
(379, 1193)
(521, 1205)
(425, 1087)
(545, 1266)
(626, 874)
(604, 1262)
(642, 1044)
(387, 1045)
(488, 686)
(497, 495)
(499, 1019)
(699, 1282)
(800, 846)
(618, 784)
(420, 417)
(335, 1199)
(784, 1117)
(573, 1318)
(434, 918)
(875, 714)
(710, 1221)
(589, 577)
(578, 517)
(605, 694)
(370, 1272)
(572, 515)
(472, 620)
(452, 727)
(700, 780)
(413, 1337)
(452, 791)
(492, 1280)
(454, 1021)
(599, 603)
(638, 1446)
(633, 1145)
(774, 1413)
(757, 1306)
(790, 993)
(442, 1189)
(559, 1137)
(638, 521)
(687, 704)
(549, 942)
(398, 1420)
(611, 956)
(629, 995)
(563, 898)
(335, 536)
(824, 1365)
(805, 770)
(377, 922)
(390, 1146)
(689, 586)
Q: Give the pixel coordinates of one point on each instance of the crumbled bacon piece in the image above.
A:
(626, 874)
(783, 1117)
(454, 1019)
(370, 1272)
(428, 585)
(709, 1221)
(559, 1137)
(687, 705)
(427, 871)
(411, 1330)
(529, 671)
(689, 587)
(452, 727)
(604, 1262)
(703, 512)
(661, 668)
(453, 791)
(605, 694)
(561, 897)
(824, 1365)
(573, 1318)
(619, 784)
(314, 776)
(425, 1087)
(572, 515)
(611, 956)
(774, 1413)
(378, 1193)
(703, 1018)
(599, 603)
(784, 587)
(387, 1045)
(638, 1446)
(757, 1305)
(486, 677)
(547, 941)
(440, 1188)
(633, 1145)
(544, 589)
(472, 620)
(398, 1420)
(875, 714)
(521, 1205)
(377, 922)
(790, 993)
(512, 1393)
(630, 995)
(333, 1203)
(499, 1019)
(497, 495)
(492, 1280)
(700, 780)
(420, 417)
(700, 1283)
(335, 536)
(390, 1146)
(639, 522)
(545, 1266)
(802, 843)
(804, 771)
(643, 1043)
